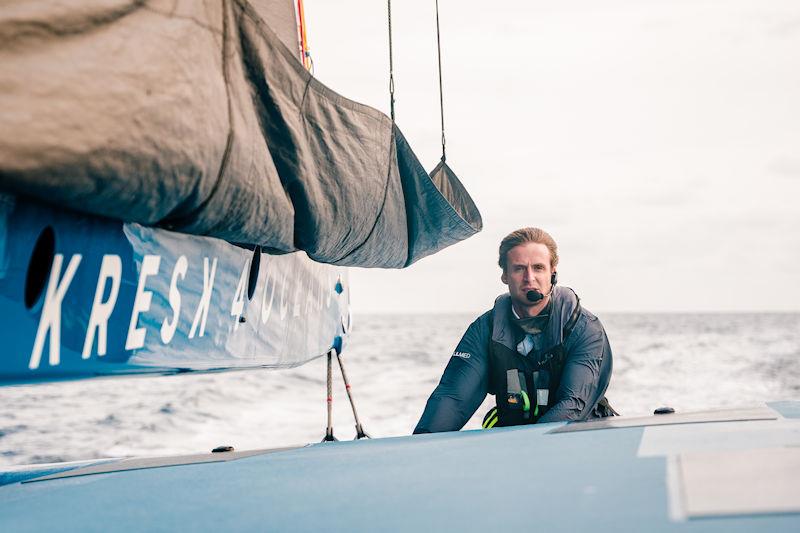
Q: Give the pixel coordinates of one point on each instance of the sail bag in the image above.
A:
(198, 117)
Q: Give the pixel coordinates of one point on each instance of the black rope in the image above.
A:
(441, 92)
(391, 63)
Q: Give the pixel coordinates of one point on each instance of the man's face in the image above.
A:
(528, 268)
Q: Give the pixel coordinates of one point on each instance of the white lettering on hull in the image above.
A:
(110, 268)
(141, 303)
(50, 321)
(289, 290)
(266, 308)
(296, 297)
(168, 326)
(201, 315)
(284, 304)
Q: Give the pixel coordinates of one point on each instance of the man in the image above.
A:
(543, 356)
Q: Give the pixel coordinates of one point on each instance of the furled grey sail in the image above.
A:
(195, 116)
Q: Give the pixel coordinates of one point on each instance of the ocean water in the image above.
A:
(687, 361)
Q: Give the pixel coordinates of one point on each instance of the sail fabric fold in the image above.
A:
(198, 117)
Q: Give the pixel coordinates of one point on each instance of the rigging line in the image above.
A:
(360, 433)
(329, 430)
(391, 63)
(441, 92)
(305, 53)
(302, 30)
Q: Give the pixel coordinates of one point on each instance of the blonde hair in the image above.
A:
(523, 235)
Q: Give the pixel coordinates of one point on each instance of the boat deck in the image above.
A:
(734, 470)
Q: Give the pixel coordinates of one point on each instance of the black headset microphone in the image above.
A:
(536, 296)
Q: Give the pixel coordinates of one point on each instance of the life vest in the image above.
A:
(525, 386)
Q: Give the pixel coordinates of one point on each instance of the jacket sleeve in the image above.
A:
(464, 383)
(587, 371)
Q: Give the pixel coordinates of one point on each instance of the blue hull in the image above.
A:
(82, 296)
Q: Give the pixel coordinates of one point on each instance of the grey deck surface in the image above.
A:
(521, 479)
(138, 463)
(720, 415)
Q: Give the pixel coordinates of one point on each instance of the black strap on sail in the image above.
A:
(391, 63)
(442, 176)
(439, 57)
(441, 92)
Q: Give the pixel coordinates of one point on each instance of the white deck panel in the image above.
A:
(724, 436)
(743, 482)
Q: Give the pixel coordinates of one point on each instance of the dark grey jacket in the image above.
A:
(464, 384)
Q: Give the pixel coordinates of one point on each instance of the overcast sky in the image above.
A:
(658, 142)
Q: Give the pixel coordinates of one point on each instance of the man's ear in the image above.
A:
(503, 278)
